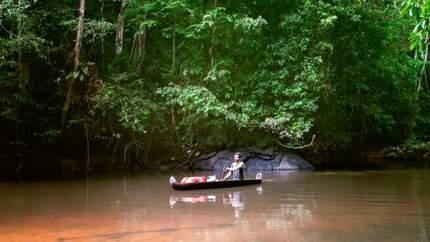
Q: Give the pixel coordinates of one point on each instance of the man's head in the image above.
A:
(237, 156)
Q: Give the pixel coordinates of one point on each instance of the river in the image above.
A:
(289, 206)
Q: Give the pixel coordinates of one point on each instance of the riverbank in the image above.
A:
(50, 161)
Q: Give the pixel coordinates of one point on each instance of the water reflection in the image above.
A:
(229, 199)
(291, 210)
(191, 199)
(259, 190)
(233, 199)
(423, 234)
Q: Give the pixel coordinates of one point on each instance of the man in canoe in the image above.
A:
(236, 169)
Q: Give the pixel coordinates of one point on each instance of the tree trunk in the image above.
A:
(138, 47)
(23, 60)
(141, 40)
(211, 49)
(423, 69)
(77, 52)
(173, 48)
(119, 40)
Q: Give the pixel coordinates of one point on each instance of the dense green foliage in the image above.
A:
(211, 74)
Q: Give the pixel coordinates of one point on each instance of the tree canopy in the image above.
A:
(181, 74)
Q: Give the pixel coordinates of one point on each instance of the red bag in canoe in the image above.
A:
(194, 179)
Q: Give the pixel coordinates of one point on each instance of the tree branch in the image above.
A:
(297, 147)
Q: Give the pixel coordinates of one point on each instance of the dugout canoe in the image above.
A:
(214, 184)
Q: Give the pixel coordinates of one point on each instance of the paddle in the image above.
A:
(223, 173)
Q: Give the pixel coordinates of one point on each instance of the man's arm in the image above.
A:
(226, 176)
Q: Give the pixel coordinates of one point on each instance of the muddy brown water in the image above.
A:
(289, 206)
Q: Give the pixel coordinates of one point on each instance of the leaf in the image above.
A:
(85, 70)
(149, 23)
